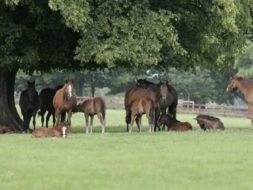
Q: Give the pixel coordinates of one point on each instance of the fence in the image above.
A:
(183, 107)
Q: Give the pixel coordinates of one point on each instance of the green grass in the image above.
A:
(118, 160)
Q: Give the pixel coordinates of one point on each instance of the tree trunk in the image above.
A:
(8, 114)
(92, 84)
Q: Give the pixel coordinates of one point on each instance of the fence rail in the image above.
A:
(183, 107)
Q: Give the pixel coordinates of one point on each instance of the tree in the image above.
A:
(45, 35)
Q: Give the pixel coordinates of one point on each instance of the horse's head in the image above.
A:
(30, 84)
(164, 90)
(233, 84)
(69, 89)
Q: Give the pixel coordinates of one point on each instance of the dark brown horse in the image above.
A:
(139, 107)
(29, 104)
(46, 104)
(64, 100)
(91, 107)
(168, 102)
(173, 124)
(207, 122)
(246, 87)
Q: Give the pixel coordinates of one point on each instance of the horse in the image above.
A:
(6, 129)
(91, 107)
(139, 107)
(173, 124)
(159, 93)
(64, 100)
(136, 94)
(168, 104)
(207, 122)
(29, 104)
(246, 87)
(60, 130)
(46, 104)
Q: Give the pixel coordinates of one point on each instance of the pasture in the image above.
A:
(118, 160)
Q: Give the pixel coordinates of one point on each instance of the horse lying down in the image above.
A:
(207, 122)
(60, 130)
(173, 124)
(6, 129)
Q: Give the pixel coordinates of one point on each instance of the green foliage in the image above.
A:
(75, 34)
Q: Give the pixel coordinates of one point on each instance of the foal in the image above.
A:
(173, 124)
(138, 108)
(60, 130)
(91, 107)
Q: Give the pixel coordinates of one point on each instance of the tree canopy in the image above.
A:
(73, 34)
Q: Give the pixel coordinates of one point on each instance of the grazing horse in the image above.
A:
(46, 104)
(29, 104)
(209, 122)
(173, 124)
(91, 107)
(168, 102)
(64, 100)
(139, 107)
(60, 130)
(246, 87)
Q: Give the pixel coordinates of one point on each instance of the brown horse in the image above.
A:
(6, 129)
(246, 87)
(139, 107)
(64, 100)
(158, 94)
(29, 104)
(91, 107)
(173, 124)
(60, 130)
(46, 104)
(207, 122)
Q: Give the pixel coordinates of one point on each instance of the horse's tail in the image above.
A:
(103, 110)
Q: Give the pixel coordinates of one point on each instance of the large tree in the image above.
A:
(88, 34)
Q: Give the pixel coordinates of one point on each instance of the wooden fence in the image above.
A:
(183, 107)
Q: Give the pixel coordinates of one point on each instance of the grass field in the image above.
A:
(118, 160)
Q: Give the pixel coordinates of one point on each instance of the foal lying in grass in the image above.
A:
(60, 130)
(173, 124)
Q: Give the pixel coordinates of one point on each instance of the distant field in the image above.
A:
(118, 160)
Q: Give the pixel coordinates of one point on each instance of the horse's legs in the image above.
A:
(102, 121)
(53, 118)
(138, 122)
(42, 112)
(58, 116)
(34, 119)
(48, 117)
(157, 114)
(87, 122)
(91, 122)
(69, 119)
(128, 119)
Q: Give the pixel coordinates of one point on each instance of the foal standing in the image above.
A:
(91, 107)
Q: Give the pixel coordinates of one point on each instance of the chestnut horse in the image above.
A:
(46, 104)
(64, 100)
(91, 107)
(60, 130)
(139, 107)
(246, 87)
(29, 104)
